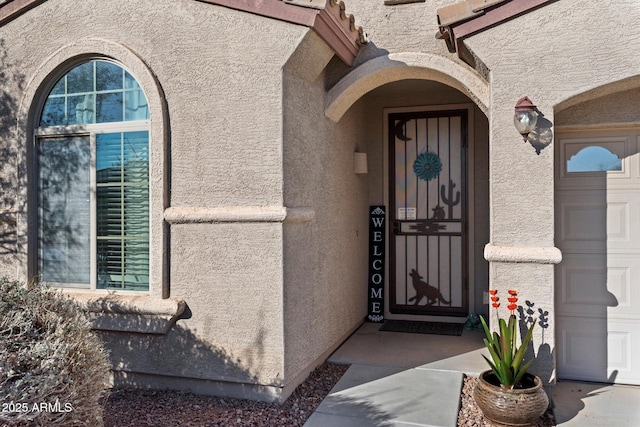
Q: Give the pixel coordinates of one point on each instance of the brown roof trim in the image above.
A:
(14, 8)
(462, 11)
(327, 18)
(275, 9)
(464, 19)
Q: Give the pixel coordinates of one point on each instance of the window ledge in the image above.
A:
(130, 313)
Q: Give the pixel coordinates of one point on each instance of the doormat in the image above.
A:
(415, 327)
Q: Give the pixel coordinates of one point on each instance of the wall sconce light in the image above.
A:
(525, 117)
(360, 163)
(532, 125)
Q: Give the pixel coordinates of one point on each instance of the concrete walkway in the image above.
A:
(402, 380)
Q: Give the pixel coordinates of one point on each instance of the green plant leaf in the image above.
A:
(506, 356)
(521, 373)
(513, 334)
(492, 350)
(492, 365)
(496, 344)
(519, 356)
(487, 332)
(507, 375)
(505, 342)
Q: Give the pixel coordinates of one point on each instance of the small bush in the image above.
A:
(53, 369)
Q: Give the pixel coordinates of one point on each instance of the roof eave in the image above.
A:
(11, 9)
(464, 19)
(326, 17)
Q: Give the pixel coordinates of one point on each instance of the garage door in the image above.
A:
(598, 231)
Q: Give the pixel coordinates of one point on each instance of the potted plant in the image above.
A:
(507, 394)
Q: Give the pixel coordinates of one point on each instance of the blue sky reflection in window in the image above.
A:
(594, 159)
(95, 92)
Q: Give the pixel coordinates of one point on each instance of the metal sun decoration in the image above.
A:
(427, 166)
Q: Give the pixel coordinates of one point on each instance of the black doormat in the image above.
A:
(437, 328)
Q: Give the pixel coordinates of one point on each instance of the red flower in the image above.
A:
(495, 299)
(512, 300)
(496, 304)
(512, 292)
(512, 307)
(493, 291)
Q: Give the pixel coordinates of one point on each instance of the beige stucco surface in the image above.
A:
(618, 108)
(215, 92)
(325, 260)
(259, 223)
(557, 56)
(553, 55)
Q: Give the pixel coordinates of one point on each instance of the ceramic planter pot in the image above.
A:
(515, 407)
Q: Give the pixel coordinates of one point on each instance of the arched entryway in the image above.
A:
(413, 111)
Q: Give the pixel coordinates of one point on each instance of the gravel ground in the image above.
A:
(163, 408)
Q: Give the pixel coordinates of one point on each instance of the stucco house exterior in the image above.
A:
(201, 176)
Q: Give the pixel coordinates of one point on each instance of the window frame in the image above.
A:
(90, 130)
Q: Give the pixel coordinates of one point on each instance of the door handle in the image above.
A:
(396, 227)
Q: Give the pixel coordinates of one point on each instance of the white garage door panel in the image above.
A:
(584, 349)
(623, 227)
(588, 286)
(597, 350)
(578, 215)
(598, 281)
(593, 222)
(623, 350)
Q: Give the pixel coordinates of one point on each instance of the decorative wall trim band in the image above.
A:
(130, 313)
(199, 215)
(524, 254)
(597, 126)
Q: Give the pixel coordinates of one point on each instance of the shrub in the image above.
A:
(53, 369)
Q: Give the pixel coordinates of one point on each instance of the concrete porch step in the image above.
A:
(370, 395)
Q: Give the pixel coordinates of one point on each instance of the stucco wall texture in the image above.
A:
(325, 260)
(551, 55)
(243, 100)
(220, 72)
(557, 57)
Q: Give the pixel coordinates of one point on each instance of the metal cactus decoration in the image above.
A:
(450, 200)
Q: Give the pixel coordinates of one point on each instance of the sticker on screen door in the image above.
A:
(407, 214)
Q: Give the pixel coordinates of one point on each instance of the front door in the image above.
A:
(427, 209)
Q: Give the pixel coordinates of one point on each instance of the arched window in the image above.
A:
(92, 150)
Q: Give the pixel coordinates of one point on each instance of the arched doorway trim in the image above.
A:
(598, 92)
(403, 66)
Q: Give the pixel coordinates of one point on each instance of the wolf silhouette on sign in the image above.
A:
(423, 289)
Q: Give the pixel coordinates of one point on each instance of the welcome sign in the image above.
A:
(376, 263)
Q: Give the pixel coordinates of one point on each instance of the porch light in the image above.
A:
(360, 163)
(525, 117)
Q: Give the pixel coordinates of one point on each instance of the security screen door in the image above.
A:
(428, 205)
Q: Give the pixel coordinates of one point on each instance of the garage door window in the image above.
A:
(594, 159)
